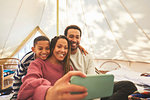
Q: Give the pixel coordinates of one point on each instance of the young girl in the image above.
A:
(39, 83)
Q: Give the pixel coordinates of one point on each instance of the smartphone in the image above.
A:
(100, 85)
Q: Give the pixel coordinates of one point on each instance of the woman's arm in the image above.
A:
(34, 85)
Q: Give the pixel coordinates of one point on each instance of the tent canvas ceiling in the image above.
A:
(112, 29)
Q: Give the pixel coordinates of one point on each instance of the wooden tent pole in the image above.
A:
(37, 28)
(57, 17)
(24, 41)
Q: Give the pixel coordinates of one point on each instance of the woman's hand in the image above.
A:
(62, 88)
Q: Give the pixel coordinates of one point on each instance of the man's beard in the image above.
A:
(73, 49)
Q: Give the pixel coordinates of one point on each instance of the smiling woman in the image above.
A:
(60, 51)
(40, 80)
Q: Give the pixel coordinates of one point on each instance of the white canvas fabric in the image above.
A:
(112, 29)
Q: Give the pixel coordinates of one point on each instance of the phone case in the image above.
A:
(98, 85)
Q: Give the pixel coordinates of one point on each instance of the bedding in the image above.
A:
(139, 96)
(128, 74)
(124, 73)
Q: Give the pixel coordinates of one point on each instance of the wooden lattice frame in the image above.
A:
(6, 63)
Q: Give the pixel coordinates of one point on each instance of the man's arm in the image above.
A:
(83, 50)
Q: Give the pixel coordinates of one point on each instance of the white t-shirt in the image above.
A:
(83, 63)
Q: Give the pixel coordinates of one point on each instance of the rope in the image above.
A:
(42, 12)
(134, 20)
(86, 26)
(111, 30)
(67, 7)
(11, 28)
(111, 13)
(129, 61)
(83, 13)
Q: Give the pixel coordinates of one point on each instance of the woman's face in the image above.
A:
(61, 49)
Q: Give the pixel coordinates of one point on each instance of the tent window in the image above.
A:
(27, 47)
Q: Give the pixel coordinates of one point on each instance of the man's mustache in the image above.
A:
(73, 42)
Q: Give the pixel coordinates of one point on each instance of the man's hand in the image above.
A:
(82, 50)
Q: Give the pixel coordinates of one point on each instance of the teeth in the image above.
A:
(61, 55)
(74, 44)
(44, 55)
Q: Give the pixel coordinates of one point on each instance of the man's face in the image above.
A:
(74, 37)
(41, 49)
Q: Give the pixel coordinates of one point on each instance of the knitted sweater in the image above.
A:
(40, 76)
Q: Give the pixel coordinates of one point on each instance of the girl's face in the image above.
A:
(61, 49)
